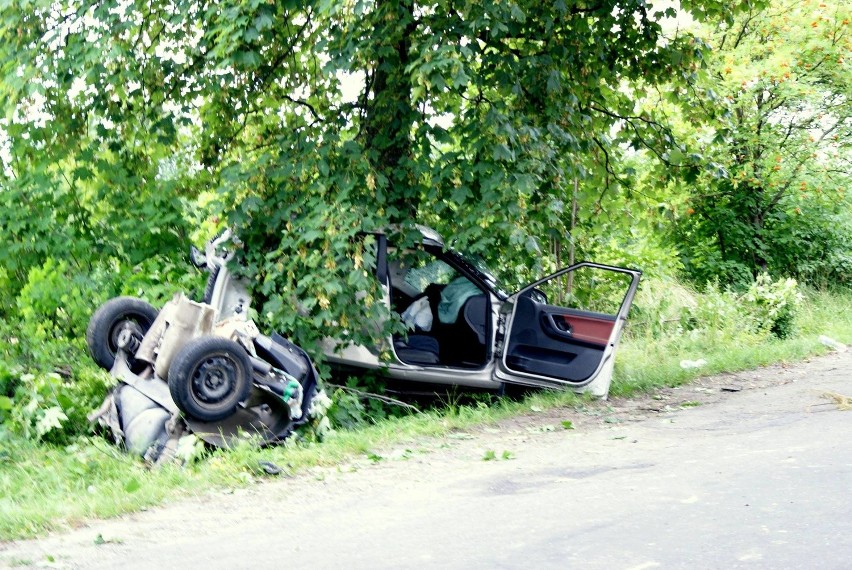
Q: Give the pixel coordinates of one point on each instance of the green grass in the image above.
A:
(46, 488)
(647, 361)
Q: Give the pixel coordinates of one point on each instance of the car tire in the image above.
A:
(108, 322)
(209, 377)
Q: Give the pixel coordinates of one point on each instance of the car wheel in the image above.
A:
(111, 320)
(208, 377)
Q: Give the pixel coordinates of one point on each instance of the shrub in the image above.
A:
(717, 309)
(773, 305)
(50, 407)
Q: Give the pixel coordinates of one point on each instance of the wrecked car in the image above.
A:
(463, 329)
(198, 367)
(203, 367)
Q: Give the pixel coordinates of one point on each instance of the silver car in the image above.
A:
(463, 329)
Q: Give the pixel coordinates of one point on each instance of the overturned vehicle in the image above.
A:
(198, 367)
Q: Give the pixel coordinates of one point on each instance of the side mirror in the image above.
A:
(537, 295)
(540, 296)
(197, 257)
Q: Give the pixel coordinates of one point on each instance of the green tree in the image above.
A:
(475, 117)
(782, 133)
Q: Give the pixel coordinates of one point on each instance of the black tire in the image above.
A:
(110, 320)
(209, 376)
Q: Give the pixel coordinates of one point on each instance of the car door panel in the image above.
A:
(553, 345)
(585, 327)
(539, 347)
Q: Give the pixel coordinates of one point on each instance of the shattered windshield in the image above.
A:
(477, 266)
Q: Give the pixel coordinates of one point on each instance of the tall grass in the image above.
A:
(714, 327)
(46, 488)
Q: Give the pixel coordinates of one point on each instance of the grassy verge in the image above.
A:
(46, 488)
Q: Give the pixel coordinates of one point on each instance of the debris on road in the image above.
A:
(831, 343)
(843, 402)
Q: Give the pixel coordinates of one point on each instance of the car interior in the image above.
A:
(446, 313)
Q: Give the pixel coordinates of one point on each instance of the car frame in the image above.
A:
(198, 367)
(520, 338)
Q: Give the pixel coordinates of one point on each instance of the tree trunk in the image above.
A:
(390, 114)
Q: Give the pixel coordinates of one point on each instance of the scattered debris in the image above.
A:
(269, 468)
(100, 540)
(491, 455)
(844, 403)
(542, 428)
(831, 343)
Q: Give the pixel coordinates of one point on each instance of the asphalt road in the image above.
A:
(761, 478)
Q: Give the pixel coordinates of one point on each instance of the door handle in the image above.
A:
(559, 328)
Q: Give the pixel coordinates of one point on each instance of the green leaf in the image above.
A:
(51, 420)
(503, 152)
(132, 485)
(567, 424)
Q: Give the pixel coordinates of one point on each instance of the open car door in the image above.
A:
(562, 331)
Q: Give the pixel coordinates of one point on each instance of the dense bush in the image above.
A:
(48, 382)
(670, 308)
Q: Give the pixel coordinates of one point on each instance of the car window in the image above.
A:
(434, 272)
(420, 269)
(587, 289)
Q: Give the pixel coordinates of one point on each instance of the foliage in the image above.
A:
(716, 311)
(774, 303)
(716, 314)
(776, 110)
(317, 121)
(361, 402)
(347, 411)
(48, 407)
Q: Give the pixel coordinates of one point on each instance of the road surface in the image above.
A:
(754, 471)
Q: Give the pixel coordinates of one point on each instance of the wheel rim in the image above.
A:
(124, 323)
(215, 380)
